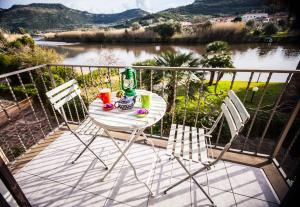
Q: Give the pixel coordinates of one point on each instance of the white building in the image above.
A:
(254, 16)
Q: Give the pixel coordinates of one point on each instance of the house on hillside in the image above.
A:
(255, 16)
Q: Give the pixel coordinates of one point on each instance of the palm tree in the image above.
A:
(173, 59)
(217, 55)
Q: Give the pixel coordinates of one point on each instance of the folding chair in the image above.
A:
(60, 96)
(190, 143)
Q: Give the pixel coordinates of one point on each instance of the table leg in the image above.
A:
(134, 135)
(153, 148)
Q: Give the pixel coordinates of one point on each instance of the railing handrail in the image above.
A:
(22, 71)
(186, 68)
(156, 68)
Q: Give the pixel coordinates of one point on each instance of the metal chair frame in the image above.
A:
(60, 96)
(236, 116)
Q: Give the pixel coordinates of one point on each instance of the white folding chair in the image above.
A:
(62, 95)
(190, 143)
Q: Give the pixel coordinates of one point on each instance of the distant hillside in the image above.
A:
(215, 7)
(58, 16)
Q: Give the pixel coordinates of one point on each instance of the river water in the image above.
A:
(249, 56)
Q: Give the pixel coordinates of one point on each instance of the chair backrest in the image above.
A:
(64, 93)
(235, 114)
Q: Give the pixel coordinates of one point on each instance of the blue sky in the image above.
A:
(106, 6)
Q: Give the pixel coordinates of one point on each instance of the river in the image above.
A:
(249, 56)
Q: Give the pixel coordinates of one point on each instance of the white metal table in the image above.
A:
(125, 120)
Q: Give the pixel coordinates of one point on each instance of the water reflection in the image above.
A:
(249, 56)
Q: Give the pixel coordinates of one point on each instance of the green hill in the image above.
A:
(57, 16)
(215, 7)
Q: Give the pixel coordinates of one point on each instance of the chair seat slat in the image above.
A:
(234, 113)
(64, 93)
(186, 143)
(239, 105)
(61, 88)
(195, 146)
(202, 146)
(178, 144)
(230, 121)
(66, 99)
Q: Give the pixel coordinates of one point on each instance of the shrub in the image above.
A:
(167, 30)
(135, 26)
(257, 32)
(207, 26)
(250, 24)
(237, 19)
(270, 29)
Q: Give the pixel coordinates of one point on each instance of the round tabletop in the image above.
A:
(124, 120)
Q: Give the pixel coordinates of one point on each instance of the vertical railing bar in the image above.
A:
(174, 100)
(222, 119)
(248, 86)
(162, 95)
(199, 98)
(46, 89)
(141, 79)
(219, 132)
(100, 77)
(40, 99)
(92, 79)
(19, 108)
(15, 128)
(53, 83)
(186, 98)
(74, 102)
(288, 125)
(257, 109)
(84, 82)
(273, 112)
(68, 106)
(109, 78)
(290, 146)
(151, 88)
(119, 75)
(31, 106)
(232, 81)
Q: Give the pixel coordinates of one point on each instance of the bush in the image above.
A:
(250, 24)
(237, 19)
(257, 32)
(167, 30)
(270, 29)
(135, 26)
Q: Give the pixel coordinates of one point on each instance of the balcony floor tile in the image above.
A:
(50, 179)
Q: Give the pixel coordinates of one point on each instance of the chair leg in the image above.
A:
(85, 148)
(188, 177)
(195, 181)
(90, 150)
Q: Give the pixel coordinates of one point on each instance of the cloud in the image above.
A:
(143, 4)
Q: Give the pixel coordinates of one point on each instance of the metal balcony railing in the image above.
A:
(273, 131)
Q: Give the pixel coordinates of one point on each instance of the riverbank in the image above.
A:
(233, 33)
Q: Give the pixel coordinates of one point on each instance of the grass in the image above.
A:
(272, 92)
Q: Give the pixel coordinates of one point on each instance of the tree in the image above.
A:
(135, 26)
(217, 55)
(171, 59)
(237, 19)
(207, 26)
(270, 28)
(167, 30)
(250, 24)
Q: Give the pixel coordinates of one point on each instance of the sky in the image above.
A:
(106, 6)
